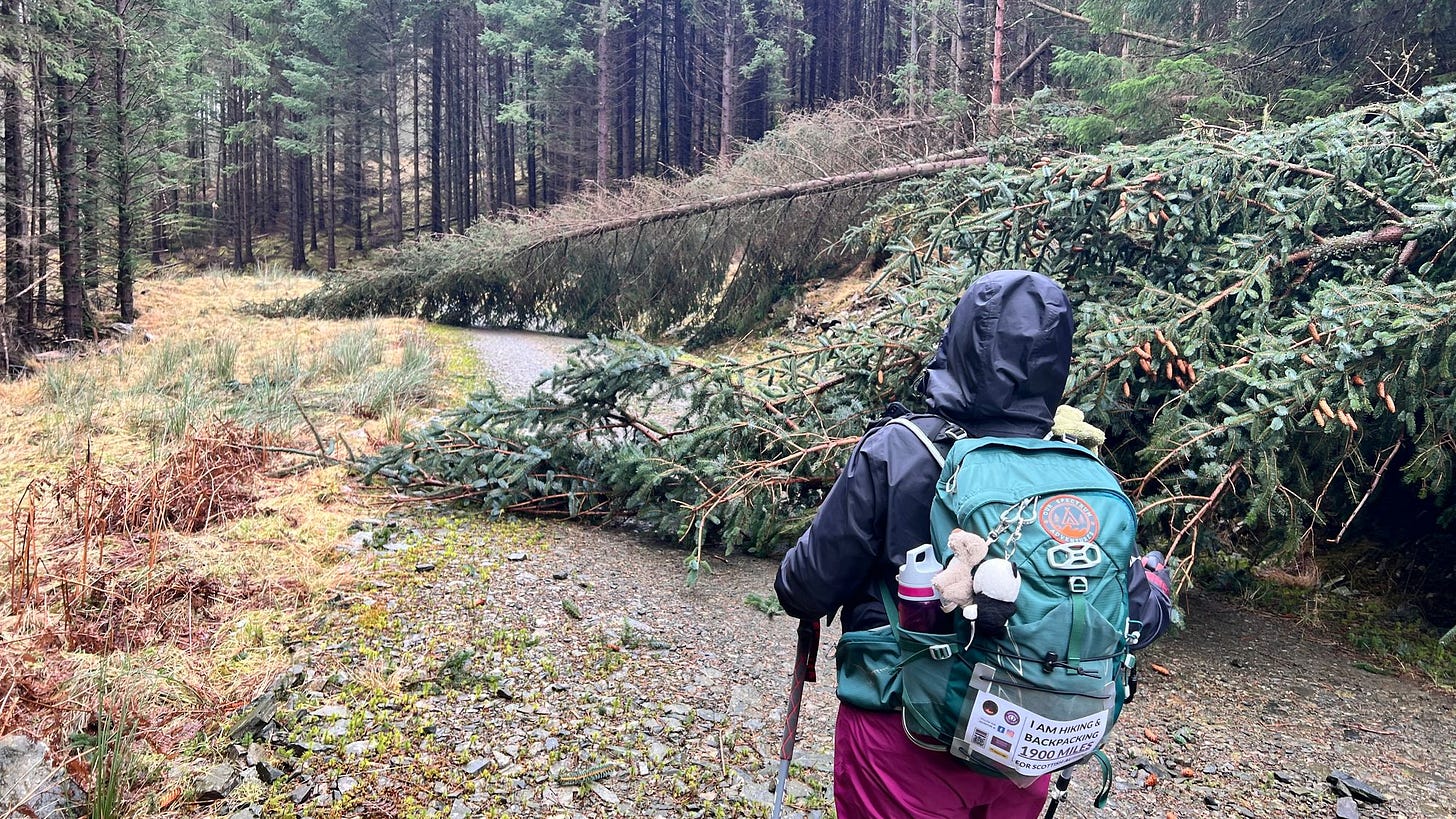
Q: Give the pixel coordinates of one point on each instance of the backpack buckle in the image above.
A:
(941, 651)
(1077, 585)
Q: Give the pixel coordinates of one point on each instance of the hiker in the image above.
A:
(1000, 371)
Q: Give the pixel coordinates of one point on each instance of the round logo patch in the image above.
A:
(1068, 519)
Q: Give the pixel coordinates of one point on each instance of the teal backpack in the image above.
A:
(1043, 694)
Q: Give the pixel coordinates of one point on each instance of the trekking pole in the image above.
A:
(807, 653)
(1059, 792)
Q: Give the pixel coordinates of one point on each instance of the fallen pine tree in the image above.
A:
(1265, 331)
(703, 258)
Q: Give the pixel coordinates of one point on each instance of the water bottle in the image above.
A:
(917, 601)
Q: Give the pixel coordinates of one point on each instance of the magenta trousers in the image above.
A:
(881, 774)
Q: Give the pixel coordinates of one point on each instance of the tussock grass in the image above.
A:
(353, 352)
(246, 583)
(388, 389)
(222, 361)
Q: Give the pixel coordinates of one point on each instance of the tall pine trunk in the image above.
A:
(73, 289)
(626, 123)
(90, 182)
(396, 190)
(998, 49)
(437, 176)
(125, 217)
(331, 201)
(18, 296)
(355, 190)
(298, 218)
(604, 141)
(40, 183)
(682, 56)
(415, 116)
(664, 92)
(726, 99)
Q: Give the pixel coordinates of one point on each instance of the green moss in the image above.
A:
(462, 365)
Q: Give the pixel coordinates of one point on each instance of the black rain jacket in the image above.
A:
(1000, 370)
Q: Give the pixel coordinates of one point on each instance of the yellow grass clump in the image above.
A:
(174, 499)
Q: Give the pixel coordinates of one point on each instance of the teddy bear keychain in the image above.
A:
(984, 588)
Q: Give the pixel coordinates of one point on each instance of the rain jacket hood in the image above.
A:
(1000, 371)
(1002, 363)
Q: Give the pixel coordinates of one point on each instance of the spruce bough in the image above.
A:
(1264, 330)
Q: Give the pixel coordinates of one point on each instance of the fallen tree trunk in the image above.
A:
(879, 176)
(1030, 58)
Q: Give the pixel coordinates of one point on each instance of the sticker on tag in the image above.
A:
(1028, 743)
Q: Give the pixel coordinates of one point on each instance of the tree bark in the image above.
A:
(664, 92)
(298, 219)
(437, 181)
(726, 97)
(125, 215)
(19, 298)
(1030, 59)
(391, 99)
(415, 116)
(682, 57)
(331, 220)
(604, 141)
(998, 46)
(73, 292)
(626, 107)
(90, 179)
(40, 179)
(356, 173)
(894, 173)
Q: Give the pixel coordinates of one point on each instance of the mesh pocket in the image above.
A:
(935, 677)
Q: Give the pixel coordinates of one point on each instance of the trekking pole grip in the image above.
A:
(809, 647)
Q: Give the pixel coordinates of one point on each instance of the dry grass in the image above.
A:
(149, 553)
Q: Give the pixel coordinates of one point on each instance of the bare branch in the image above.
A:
(1136, 35)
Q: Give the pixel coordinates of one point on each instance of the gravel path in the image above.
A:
(516, 358)
(504, 669)
(482, 669)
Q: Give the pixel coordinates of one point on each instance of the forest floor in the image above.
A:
(345, 656)
(554, 670)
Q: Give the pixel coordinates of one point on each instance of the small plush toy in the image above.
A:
(984, 589)
(956, 582)
(1070, 423)
(997, 585)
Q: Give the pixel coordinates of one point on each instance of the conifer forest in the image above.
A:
(251, 249)
(137, 131)
(1224, 186)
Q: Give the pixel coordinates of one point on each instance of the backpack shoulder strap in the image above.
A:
(935, 451)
